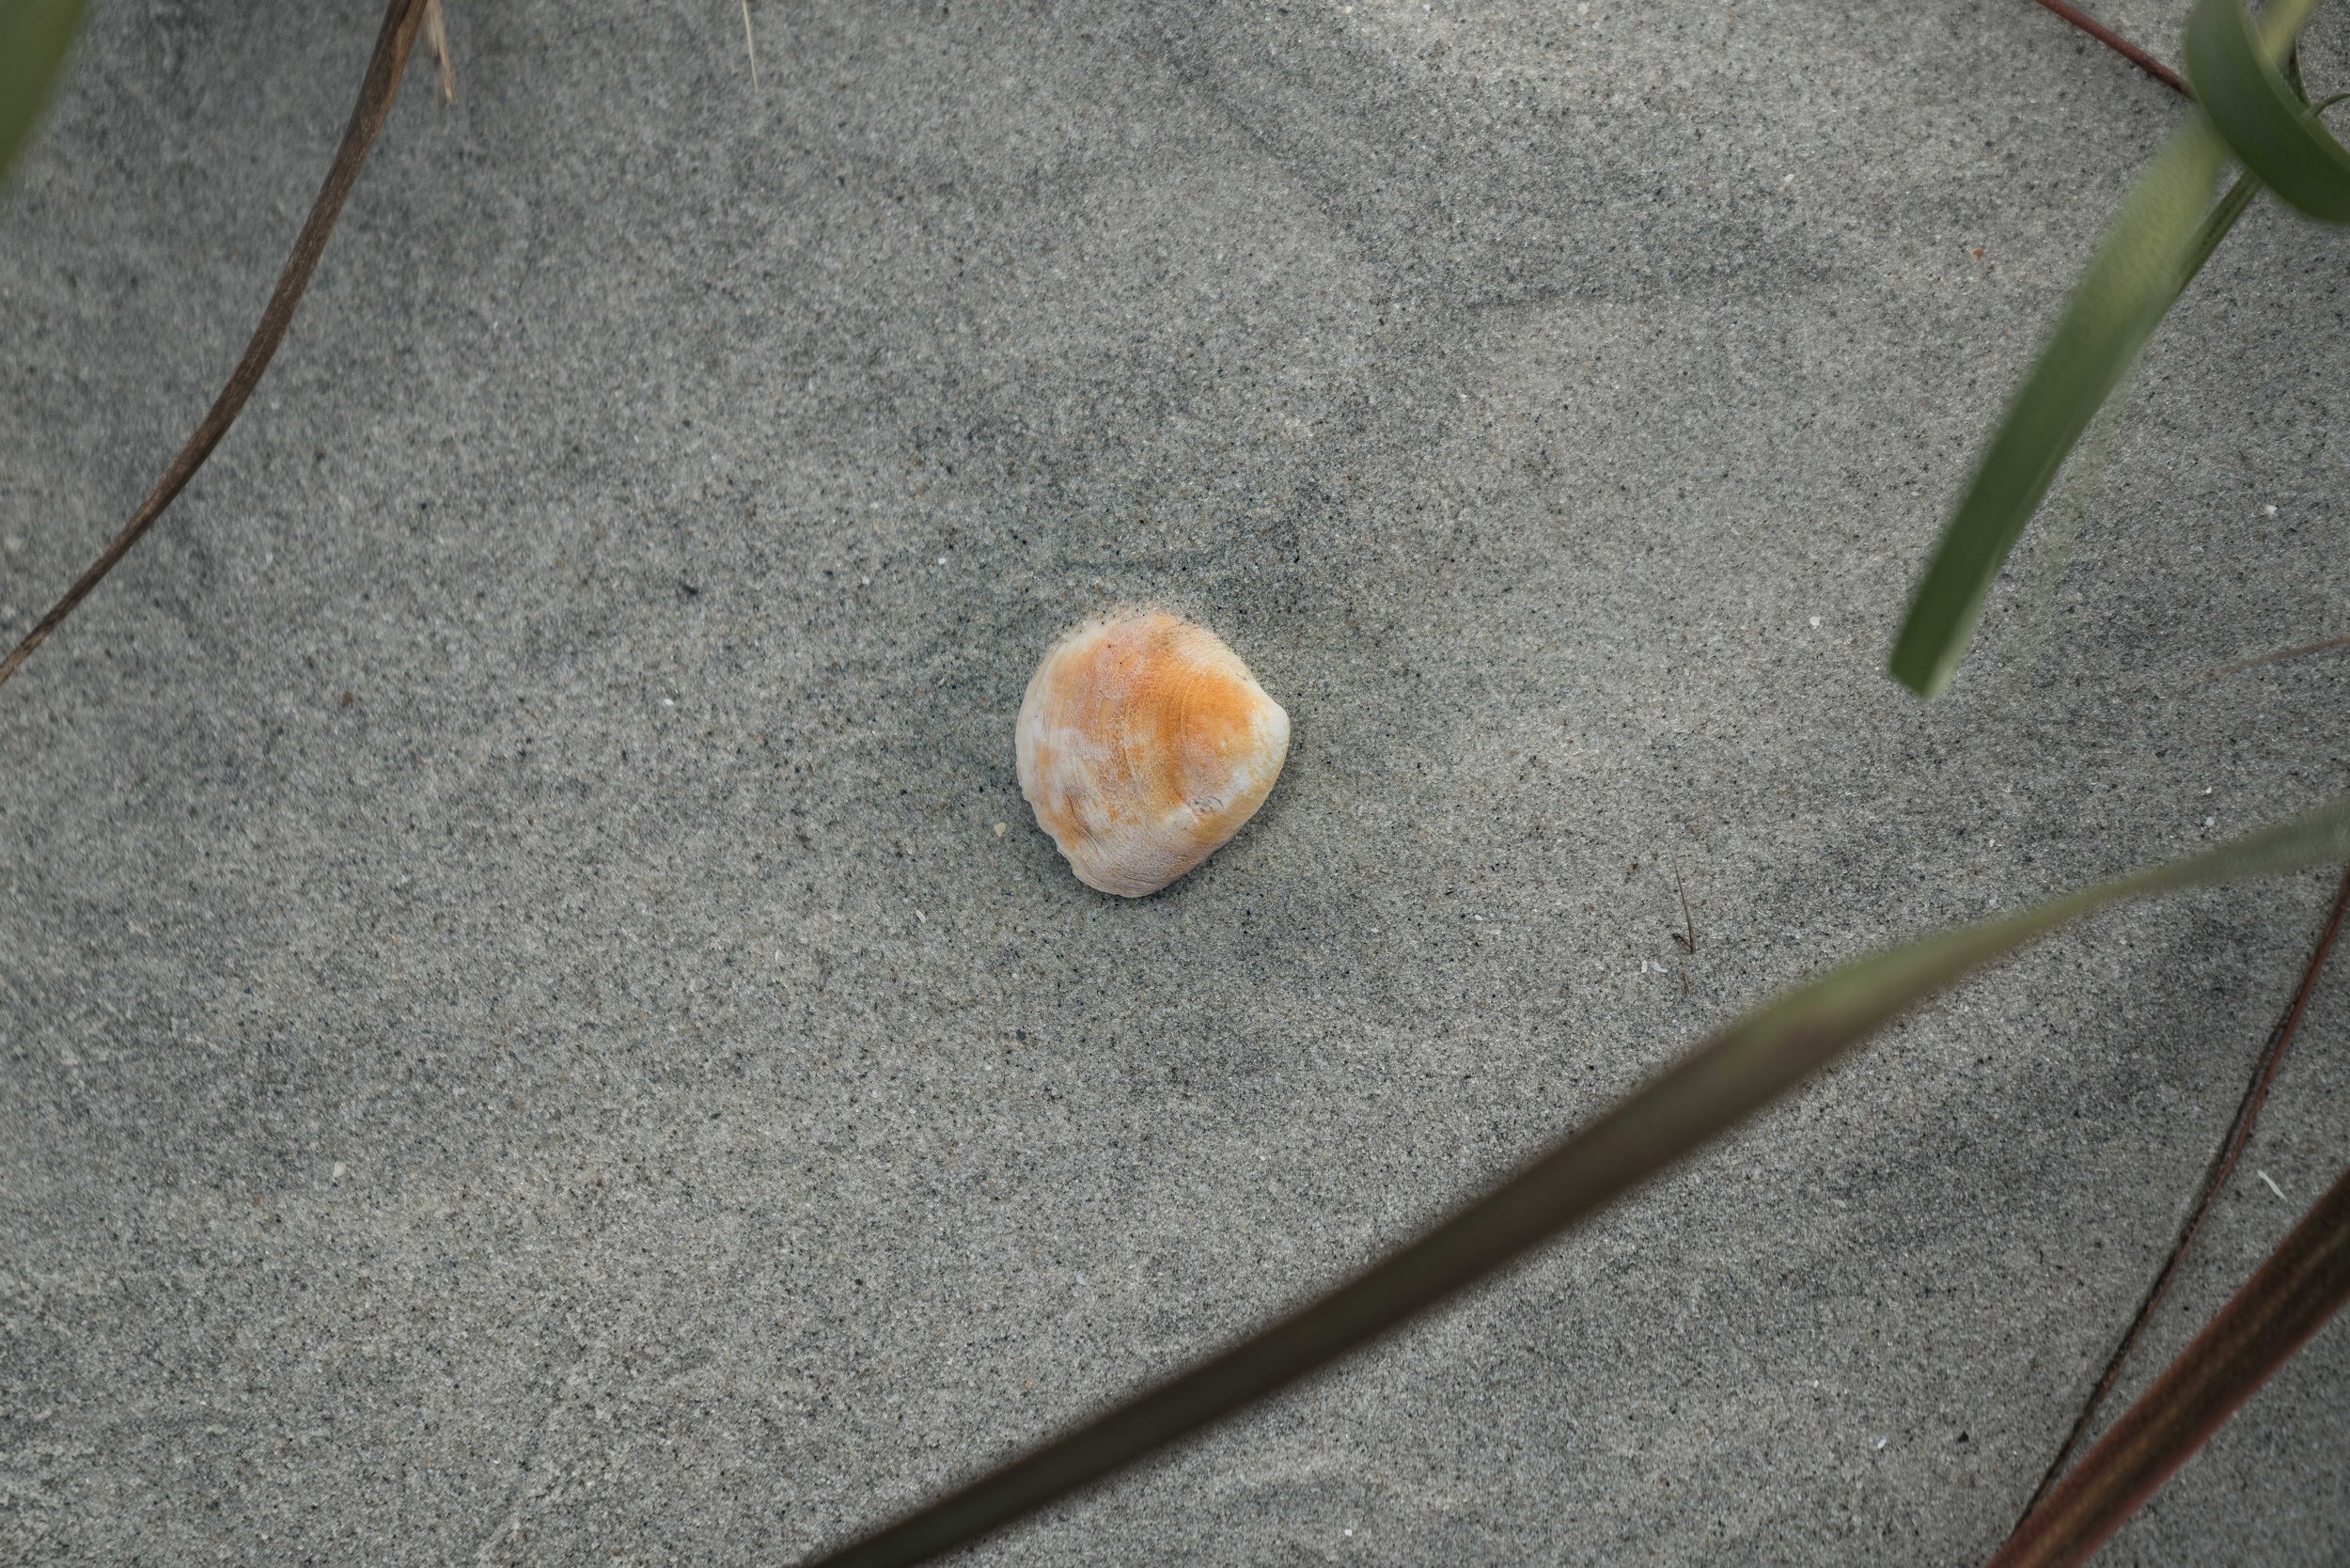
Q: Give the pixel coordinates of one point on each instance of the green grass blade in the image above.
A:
(2302, 1284)
(1727, 1080)
(2135, 275)
(2265, 122)
(2216, 222)
(34, 37)
(2231, 205)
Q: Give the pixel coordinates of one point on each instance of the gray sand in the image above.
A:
(537, 1027)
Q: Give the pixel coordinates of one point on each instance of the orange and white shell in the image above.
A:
(1144, 744)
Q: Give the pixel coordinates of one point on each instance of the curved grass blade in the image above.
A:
(377, 89)
(2140, 268)
(34, 38)
(2096, 444)
(1738, 1071)
(2138, 274)
(2303, 1283)
(2267, 124)
(2086, 469)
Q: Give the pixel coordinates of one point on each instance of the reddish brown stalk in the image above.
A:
(2120, 45)
(2222, 1166)
(376, 92)
(2303, 1283)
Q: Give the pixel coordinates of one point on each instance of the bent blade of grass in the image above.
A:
(2305, 1282)
(1737, 1072)
(34, 38)
(2137, 272)
(2096, 445)
(2263, 118)
(2145, 262)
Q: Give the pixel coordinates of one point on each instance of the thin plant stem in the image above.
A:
(2303, 1282)
(2326, 645)
(2223, 1161)
(376, 92)
(2120, 45)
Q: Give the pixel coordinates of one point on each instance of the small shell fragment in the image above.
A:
(1144, 743)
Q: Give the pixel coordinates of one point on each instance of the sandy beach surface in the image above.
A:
(537, 1027)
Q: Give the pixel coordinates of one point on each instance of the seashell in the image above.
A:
(1144, 743)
